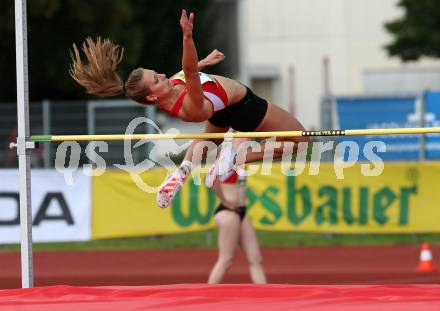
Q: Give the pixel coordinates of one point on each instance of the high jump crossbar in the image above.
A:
(114, 137)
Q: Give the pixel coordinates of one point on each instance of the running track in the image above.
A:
(301, 265)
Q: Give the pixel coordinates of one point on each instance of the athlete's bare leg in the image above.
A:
(276, 119)
(228, 223)
(249, 243)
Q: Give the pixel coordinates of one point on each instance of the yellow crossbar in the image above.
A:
(389, 131)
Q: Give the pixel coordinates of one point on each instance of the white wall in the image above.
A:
(402, 80)
(278, 33)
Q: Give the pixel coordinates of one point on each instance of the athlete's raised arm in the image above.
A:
(195, 106)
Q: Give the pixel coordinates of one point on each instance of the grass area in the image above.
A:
(208, 240)
(290, 239)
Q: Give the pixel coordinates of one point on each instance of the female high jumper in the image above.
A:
(191, 96)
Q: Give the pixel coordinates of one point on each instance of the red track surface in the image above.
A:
(305, 265)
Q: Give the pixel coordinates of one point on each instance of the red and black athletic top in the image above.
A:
(212, 91)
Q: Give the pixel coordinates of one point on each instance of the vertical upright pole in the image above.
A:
(23, 147)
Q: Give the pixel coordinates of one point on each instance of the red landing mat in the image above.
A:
(224, 297)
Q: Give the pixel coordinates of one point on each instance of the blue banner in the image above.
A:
(381, 112)
(432, 118)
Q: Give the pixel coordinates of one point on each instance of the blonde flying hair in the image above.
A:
(99, 76)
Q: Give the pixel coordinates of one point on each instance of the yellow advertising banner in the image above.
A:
(120, 208)
(404, 198)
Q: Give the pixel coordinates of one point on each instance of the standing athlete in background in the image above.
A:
(234, 227)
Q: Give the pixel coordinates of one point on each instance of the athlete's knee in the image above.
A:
(255, 260)
(226, 261)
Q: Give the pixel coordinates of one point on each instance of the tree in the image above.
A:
(417, 33)
(148, 30)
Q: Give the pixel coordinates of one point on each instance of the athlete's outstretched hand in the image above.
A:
(187, 24)
(213, 58)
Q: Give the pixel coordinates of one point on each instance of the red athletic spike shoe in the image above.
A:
(172, 185)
